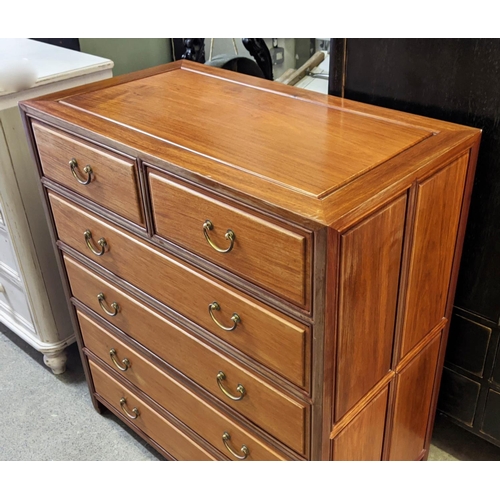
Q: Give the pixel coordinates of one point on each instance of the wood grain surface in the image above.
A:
(340, 117)
(369, 278)
(149, 421)
(197, 414)
(265, 253)
(254, 131)
(111, 173)
(414, 386)
(264, 334)
(438, 207)
(363, 438)
(192, 357)
(360, 206)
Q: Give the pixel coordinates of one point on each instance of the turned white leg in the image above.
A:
(56, 361)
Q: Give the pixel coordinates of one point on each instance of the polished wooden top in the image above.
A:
(280, 146)
(302, 145)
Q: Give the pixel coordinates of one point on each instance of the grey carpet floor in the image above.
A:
(45, 417)
(48, 417)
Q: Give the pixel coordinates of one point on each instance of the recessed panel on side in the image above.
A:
(439, 204)
(369, 279)
(414, 385)
(363, 438)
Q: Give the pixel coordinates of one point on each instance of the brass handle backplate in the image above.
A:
(101, 242)
(239, 388)
(214, 306)
(226, 438)
(102, 302)
(125, 362)
(73, 164)
(208, 226)
(135, 411)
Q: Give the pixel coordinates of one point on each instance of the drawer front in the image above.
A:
(149, 421)
(262, 252)
(269, 337)
(7, 256)
(260, 402)
(186, 406)
(113, 180)
(13, 301)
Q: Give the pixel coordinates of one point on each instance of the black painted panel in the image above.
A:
(467, 345)
(496, 370)
(458, 396)
(491, 421)
(455, 80)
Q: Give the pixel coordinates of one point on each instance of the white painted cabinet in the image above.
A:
(32, 302)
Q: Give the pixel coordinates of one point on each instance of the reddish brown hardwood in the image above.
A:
(191, 356)
(364, 436)
(350, 143)
(111, 173)
(369, 278)
(194, 412)
(438, 205)
(346, 220)
(263, 252)
(264, 334)
(414, 387)
(351, 124)
(149, 421)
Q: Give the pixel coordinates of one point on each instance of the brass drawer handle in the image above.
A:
(222, 376)
(101, 242)
(126, 362)
(73, 164)
(208, 226)
(135, 411)
(226, 438)
(214, 306)
(114, 305)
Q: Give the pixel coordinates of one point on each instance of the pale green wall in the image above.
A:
(129, 54)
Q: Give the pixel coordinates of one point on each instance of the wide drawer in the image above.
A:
(198, 415)
(266, 335)
(255, 249)
(259, 402)
(112, 182)
(148, 420)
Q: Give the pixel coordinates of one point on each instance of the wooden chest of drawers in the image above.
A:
(256, 272)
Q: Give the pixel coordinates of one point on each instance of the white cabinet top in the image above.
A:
(50, 64)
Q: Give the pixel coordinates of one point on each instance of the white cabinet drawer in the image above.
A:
(7, 256)
(13, 303)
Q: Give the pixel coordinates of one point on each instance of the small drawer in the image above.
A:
(198, 415)
(145, 418)
(13, 302)
(269, 255)
(268, 336)
(103, 177)
(7, 257)
(258, 401)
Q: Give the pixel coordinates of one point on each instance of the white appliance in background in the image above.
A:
(32, 302)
